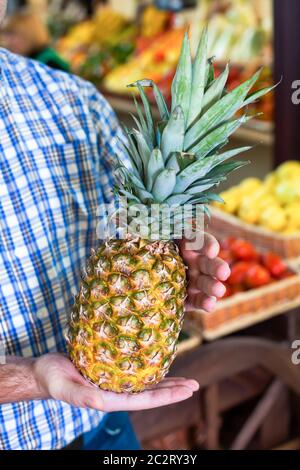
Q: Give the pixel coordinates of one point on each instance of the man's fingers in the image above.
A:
(147, 399)
(81, 396)
(173, 381)
(207, 285)
(84, 396)
(209, 247)
(217, 267)
(200, 301)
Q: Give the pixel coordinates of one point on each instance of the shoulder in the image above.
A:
(23, 73)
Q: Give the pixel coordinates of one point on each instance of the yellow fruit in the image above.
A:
(252, 205)
(290, 230)
(269, 200)
(273, 218)
(153, 21)
(125, 322)
(250, 184)
(259, 194)
(270, 182)
(107, 23)
(255, 198)
(289, 169)
(293, 214)
(231, 200)
(249, 214)
(287, 191)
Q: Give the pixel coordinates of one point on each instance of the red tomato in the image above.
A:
(286, 274)
(226, 255)
(243, 250)
(238, 273)
(257, 276)
(274, 264)
(226, 244)
(237, 288)
(228, 292)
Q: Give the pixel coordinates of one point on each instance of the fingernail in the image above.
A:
(209, 305)
(219, 289)
(223, 273)
(195, 386)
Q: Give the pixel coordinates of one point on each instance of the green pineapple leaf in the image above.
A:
(164, 184)
(159, 98)
(198, 79)
(173, 135)
(224, 169)
(134, 166)
(148, 113)
(217, 137)
(143, 148)
(161, 104)
(181, 85)
(172, 161)
(209, 72)
(215, 91)
(213, 197)
(178, 199)
(219, 112)
(199, 188)
(143, 124)
(200, 168)
(258, 94)
(185, 159)
(155, 166)
(128, 195)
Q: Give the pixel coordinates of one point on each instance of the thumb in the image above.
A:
(81, 396)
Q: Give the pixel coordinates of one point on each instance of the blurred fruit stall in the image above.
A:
(248, 382)
(114, 50)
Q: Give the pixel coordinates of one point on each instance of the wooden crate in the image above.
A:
(247, 308)
(224, 225)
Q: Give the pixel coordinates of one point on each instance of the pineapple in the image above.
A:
(126, 319)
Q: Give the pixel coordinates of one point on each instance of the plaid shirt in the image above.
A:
(58, 135)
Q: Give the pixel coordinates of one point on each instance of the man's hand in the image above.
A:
(206, 272)
(57, 378)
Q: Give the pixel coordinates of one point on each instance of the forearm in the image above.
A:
(18, 381)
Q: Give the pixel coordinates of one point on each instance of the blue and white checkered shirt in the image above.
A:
(58, 136)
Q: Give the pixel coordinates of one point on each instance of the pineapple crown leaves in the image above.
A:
(177, 159)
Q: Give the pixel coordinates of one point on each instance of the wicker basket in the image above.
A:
(223, 225)
(247, 308)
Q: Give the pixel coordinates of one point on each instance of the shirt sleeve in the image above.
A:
(110, 136)
(110, 139)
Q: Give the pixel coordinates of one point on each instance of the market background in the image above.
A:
(242, 354)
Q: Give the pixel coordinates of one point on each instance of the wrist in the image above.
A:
(20, 381)
(38, 374)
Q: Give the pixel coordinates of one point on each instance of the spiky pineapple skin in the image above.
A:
(124, 325)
